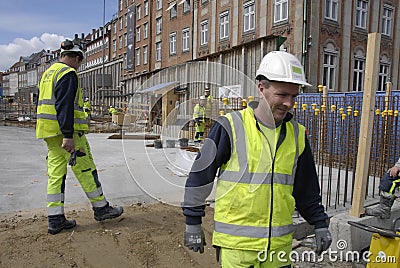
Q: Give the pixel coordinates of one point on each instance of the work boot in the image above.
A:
(58, 222)
(384, 208)
(107, 212)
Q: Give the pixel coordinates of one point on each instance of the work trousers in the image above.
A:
(389, 184)
(84, 170)
(200, 128)
(234, 258)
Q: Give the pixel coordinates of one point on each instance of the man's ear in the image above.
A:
(260, 87)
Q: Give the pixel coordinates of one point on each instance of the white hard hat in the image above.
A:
(202, 97)
(69, 46)
(86, 99)
(282, 67)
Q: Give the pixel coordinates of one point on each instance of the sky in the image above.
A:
(28, 26)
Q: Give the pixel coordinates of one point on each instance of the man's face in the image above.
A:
(280, 97)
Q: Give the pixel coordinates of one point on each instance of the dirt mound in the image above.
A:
(144, 236)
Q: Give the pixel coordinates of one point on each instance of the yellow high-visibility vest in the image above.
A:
(248, 189)
(46, 123)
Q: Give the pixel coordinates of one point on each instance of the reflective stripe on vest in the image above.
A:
(242, 205)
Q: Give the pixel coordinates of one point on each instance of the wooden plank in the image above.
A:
(367, 116)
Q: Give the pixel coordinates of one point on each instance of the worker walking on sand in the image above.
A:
(266, 169)
(199, 118)
(62, 123)
(388, 184)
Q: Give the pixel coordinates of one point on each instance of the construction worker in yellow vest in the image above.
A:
(62, 123)
(86, 107)
(209, 103)
(199, 117)
(112, 110)
(266, 169)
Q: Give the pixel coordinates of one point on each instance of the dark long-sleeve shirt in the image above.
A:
(64, 93)
(306, 190)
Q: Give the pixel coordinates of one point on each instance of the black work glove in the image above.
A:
(323, 239)
(72, 158)
(194, 238)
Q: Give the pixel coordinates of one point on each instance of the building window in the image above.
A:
(120, 42)
(358, 79)
(329, 69)
(137, 56)
(172, 43)
(159, 4)
(204, 32)
(121, 23)
(185, 39)
(204, 2)
(173, 12)
(125, 40)
(126, 20)
(361, 14)
(281, 10)
(121, 2)
(138, 12)
(144, 54)
(127, 3)
(331, 9)
(186, 6)
(115, 28)
(145, 30)
(224, 25)
(138, 34)
(387, 18)
(248, 16)
(146, 8)
(158, 25)
(114, 45)
(383, 75)
(158, 51)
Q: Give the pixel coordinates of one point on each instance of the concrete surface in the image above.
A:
(129, 172)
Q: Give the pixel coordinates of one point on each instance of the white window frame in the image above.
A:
(387, 20)
(138, 34)
(120, 42)
(145, 30)
(361, 18)
(158, 51)
(145, 52)
(138, 12)
(204, 33)
(185, 39)
(331, 9)
(137, 58)
(358, 74)
(186, 6)
(159, 4)
(172, 43)
(384, 68)
(158, 25)
(281, 10)
(174, 11)
(248, 16)
(329, 69)
(224, 25)
(146, 8)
